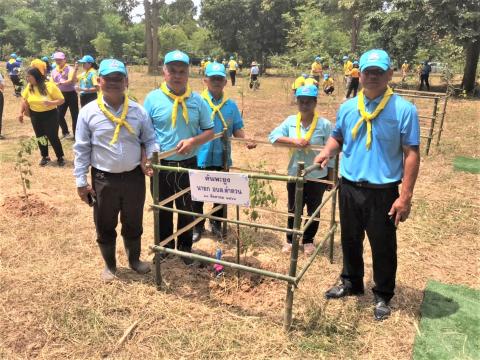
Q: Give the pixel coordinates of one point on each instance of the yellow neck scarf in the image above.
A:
(313, 125)
(119, 121)
(84, 75)
(216, 108)
(177, 100)
(368, 117)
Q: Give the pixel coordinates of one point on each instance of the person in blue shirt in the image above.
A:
(424, 74)
(181, 119)
(302, 130)
(87, 80)
(378, 134)
(13, 69)
(112, 134)
(225, 115)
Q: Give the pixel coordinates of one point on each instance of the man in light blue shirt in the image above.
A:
(182, 122)
(302, 130)
(378, 134)
(225, 115)
(111, 132)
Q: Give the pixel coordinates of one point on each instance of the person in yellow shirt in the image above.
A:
(317, 69)
(347, 67)
(354, 80)
(202, 67)
(232, 69)
(209, 60)
(405, 69)
(298, 82)
(328, 83)
(39, 101)
(311, 80)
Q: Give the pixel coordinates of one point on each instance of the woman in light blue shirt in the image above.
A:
(302, 130)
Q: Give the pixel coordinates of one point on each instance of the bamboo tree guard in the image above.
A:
(437, 117)
(298, 230)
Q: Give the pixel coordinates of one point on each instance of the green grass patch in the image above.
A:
(450, 325)
(470, 165)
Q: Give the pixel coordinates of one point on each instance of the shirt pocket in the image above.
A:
(193, 116)
(103, 134)
(386, 129)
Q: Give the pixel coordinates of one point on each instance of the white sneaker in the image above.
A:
(308, 249)
(287, 248)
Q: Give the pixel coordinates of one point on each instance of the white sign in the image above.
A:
(219, 187)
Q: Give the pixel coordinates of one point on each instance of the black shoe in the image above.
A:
(381, 311)
(2, 137)
(197, 234)
(45, 160)
(61, 162)
(342, 290)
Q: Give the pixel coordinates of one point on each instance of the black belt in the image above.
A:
(180, 163)
(367, 185)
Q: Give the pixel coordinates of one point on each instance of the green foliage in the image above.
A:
(103, 45)
(261, 193)
(171, 38)
(22, 163)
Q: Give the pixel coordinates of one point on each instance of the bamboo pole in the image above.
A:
(206, 216)
(188, 255)
(440, 128)
(263, 142)
(168, 153)
(419, 92)
(225, 168)
(287, 323)
(156, 220)
(174, 196)
(432, 126)
(333, 221)
(312, 217)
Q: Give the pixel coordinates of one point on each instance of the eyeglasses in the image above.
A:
(216, 78)
(375, 72)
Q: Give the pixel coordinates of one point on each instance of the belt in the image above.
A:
(179, 163)
(101, 173)
(367, 185)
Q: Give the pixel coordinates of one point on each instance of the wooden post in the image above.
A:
(432, 125)
(334, 207)
(156, 220)
(440, 127)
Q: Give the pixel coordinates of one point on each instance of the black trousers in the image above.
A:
(45, 123)
(124, 194)
(233, 73)
(312, 197)
(424, 80)
(353, 87)
(366, 210)
(198, 205)
(71, 102)
(86, 98)
(329, 90)
(317, 78)
(17, 84)
(171, 182)
(1, 111)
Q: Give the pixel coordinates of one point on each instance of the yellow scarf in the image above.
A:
(177, 100)
(310, 131)
(119, 121)
(368, 117)
(83, 77)
(216, 108)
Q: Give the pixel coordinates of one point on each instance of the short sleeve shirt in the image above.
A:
(396, 126)
(35, 99)
(87, 79)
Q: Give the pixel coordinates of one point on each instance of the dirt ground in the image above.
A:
(54, 306)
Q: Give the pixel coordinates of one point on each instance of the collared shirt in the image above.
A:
(159, 107)
(36, 100)
(327, 83)
(232, 65)
(299, 81)
(355, 73)
(87, 80)
(255, 70)
(288, 128)
(396, 126)
(317, 68)
(66, 73)
(94, 133)
(211, 153)
(347, 67)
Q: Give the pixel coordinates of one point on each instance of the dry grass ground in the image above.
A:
(54, 306)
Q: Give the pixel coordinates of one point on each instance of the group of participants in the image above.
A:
(376, 131)
(233, 68)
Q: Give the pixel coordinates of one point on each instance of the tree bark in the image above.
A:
(148, 33)
(356, 24)
(151, 35)
(472, 52)
(154, 23)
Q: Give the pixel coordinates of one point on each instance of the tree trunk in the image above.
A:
(356, 23)
(148, 33)
(151, 34)
(154, 23)
(472, 52)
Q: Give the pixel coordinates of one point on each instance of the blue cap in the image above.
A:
(375, 58)
(308, 90)
(109, 66)
(355, 62)
(231, 57)
(176, 55)
(215, 69)
(87, 59)
(326, 76)
(318, 58)
(13, 55)
(19, 59)
(345, 57)
(45, 58)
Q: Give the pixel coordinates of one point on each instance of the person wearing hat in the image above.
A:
(424, 74)
(87, 80)
(302, 130)
(182, 122)
(297, 83)
(317, 69)
(65, 76)
(328, 84)
(113, 132)
(39, 101)
(354, 80)
(13, 69)
(225, 115)
(310, 80)
(378, 134)
(232, 69)
(347, 68)
(254, 73)
(405, 70)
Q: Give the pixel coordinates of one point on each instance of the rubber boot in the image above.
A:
(108, 254)
(132, 247)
